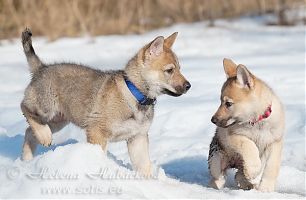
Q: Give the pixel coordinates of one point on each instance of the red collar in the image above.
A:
(265, 115)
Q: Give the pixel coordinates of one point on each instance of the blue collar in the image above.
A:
(143, 100)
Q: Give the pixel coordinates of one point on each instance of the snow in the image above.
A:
(181, 132)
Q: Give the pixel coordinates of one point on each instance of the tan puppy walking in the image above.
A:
(109, 105)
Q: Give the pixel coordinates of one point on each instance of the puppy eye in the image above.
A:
(169, 71)
(228, 104)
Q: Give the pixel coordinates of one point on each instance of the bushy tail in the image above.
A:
(34, 62)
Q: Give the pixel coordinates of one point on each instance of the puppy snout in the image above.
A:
(214, 120)
(186, 86)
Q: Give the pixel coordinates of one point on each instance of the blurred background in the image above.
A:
(72, 18)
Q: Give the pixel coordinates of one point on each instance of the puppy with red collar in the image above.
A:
(250, 128)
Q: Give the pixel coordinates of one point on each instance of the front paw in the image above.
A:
(246, 185)
(266, 187)
(251, 172)
(243, 182)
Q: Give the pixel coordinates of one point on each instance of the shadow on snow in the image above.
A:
(11, 147)
(192, 170)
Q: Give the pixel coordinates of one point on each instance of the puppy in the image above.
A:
(249, 136)
(109, 105)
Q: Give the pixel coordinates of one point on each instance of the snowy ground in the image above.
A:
(181, 131)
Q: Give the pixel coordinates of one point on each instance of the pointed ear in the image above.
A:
(244, 77)
(156, 47)
(170, 40)
(230, 68)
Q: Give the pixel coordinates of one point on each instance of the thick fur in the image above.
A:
(99, 101)
(240, 143)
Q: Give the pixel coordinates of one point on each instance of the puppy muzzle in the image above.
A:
(224, 123)
(179, 90)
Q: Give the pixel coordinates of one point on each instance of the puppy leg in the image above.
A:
(97, 136)
(217, 167)
(270, 173)
(249, 153)
(41, 131)
(29, 145)
(242, 181)
(31, 142)
(57, 126)
(138, 148)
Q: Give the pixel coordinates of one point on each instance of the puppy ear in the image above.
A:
(244, 77)
(156, 47)
(230, 68)
(170, 40)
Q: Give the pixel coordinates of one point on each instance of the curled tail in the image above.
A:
(34, 62)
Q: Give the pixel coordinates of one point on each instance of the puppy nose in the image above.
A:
(214, 120)
(187, 86)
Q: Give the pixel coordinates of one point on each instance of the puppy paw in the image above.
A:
(243, 182)
(246, 185)
(216, 183)
(251, 172)
(27, 157)
(43, 135)
(266, 186)
(46, 140)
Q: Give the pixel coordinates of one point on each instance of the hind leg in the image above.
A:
(217, 167)
(56, 126)
(29, 145)
(40, 129)
(31, 142)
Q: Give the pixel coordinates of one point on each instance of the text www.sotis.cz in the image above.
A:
(82, 190)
